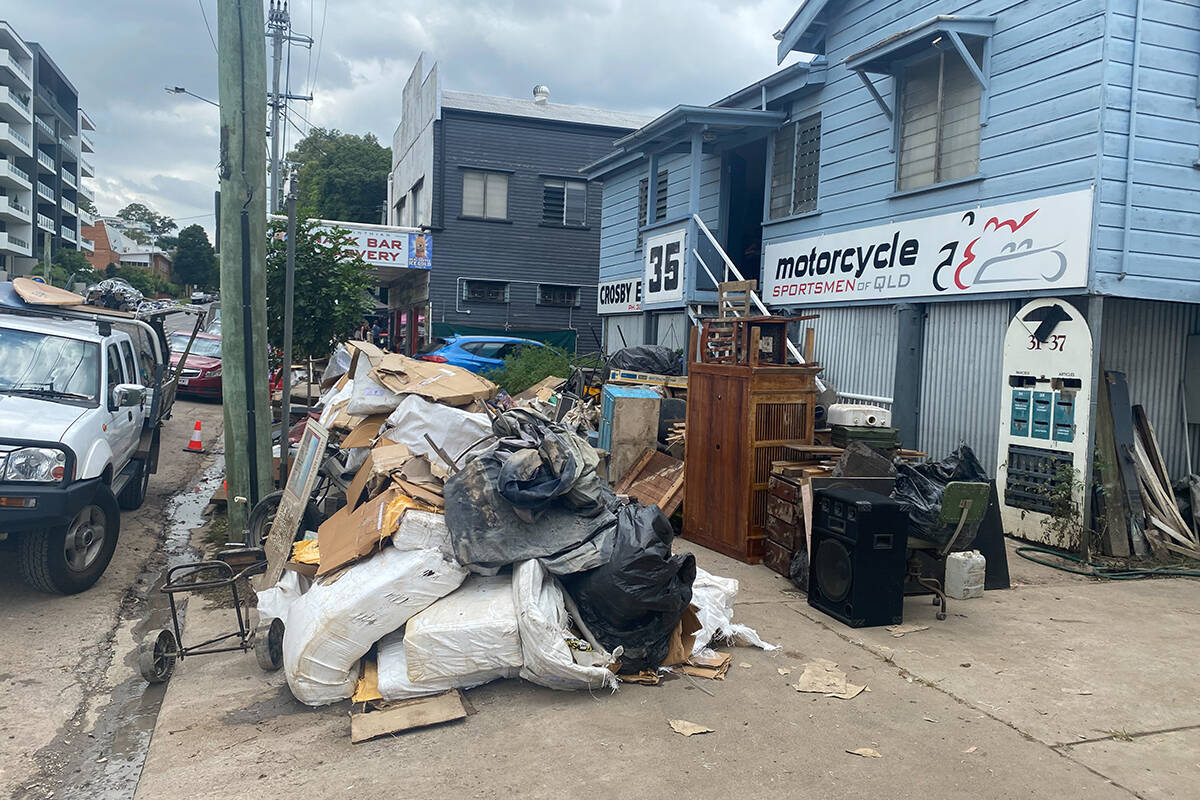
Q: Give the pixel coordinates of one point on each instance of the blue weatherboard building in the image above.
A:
(915, 175)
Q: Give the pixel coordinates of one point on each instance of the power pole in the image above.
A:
(243, 86)
(289, 300)
(279, 22)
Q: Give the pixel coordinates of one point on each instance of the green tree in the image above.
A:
(139, 278)
(72, 266)
(87, 205)
(342, 176)
(195, 262)
(332, 284)
(160, 224)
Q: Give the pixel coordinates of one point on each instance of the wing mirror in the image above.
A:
(125, 395)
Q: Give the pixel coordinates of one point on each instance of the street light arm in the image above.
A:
(181, 90)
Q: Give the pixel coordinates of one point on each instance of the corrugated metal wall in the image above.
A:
(857, 347)
(1146, 340)
(961, 378)
(622, 330)
(674, 330)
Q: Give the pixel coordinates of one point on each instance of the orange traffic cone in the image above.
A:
(195, 445)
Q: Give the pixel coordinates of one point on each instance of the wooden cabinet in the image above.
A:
(739, 417)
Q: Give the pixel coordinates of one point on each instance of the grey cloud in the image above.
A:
(161, 148)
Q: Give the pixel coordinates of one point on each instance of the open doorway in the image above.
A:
(746, 168)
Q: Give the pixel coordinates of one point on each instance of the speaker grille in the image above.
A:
(834, 574)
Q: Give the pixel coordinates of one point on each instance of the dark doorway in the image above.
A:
(746, 170)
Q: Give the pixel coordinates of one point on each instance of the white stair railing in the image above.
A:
(731, 268)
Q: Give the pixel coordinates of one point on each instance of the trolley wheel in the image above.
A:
(268, 645)
(156, 657)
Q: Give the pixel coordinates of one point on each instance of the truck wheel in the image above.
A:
(134, 493)
(69, 559)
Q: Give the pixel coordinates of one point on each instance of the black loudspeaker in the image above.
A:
(858, 558)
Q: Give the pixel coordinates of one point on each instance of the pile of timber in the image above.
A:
(1165, 529)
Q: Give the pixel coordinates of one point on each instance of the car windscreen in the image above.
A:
(43, 364)
(201, 347)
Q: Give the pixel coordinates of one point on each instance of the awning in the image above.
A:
(880, 57)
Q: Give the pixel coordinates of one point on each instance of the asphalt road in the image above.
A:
(68, 663)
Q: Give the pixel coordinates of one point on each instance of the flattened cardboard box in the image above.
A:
(350, 535)
(441, 383)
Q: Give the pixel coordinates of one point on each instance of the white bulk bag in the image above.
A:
(333, 624)
(713, 598)
(394, 683)
(542, 620)
(451, 429)
(368, 396)
(471, 630)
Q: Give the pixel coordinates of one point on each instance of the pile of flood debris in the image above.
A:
(475, 543)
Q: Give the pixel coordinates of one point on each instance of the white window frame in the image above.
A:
(793, 128)
(488, 176)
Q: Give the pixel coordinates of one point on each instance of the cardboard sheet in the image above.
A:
(442, 383)
(364, 432)
(683, 638)
(351, 534)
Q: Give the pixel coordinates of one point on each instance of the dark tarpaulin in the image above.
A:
(651, 358)
(919, 490)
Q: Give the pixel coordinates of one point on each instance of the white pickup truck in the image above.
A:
(82, 398)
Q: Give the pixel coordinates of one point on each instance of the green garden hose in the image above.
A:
(1106, 571)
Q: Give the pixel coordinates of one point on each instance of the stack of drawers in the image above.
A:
(785, 523)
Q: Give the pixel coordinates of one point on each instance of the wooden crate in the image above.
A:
(739, 418)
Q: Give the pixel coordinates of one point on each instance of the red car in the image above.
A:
(201, 374)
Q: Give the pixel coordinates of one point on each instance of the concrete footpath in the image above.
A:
(1060, 687)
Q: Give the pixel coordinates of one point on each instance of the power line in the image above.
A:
(204, 14)
(320, 45)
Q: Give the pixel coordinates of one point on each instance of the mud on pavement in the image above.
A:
(69, 664)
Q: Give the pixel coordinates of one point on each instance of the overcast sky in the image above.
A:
(161, 149)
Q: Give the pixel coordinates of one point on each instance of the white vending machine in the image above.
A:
(1046, 402)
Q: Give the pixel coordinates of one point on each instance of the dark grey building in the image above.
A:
(516, 227)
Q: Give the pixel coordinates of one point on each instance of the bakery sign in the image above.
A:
(619, 297)
(1028, 245)
(381, 246)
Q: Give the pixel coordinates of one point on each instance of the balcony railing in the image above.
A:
(15, 134)
(86, 168)
(86, 191)
(15, 204)
(68, 233)
(45, 191)
(45, 223)
(18, 242)
(89, 146)
(15, 170)
(87, 244)
(44, 126)
(46, 161)
(70, 148)
(68, 206)
(20, 67)
(69, 179)
(84, 217)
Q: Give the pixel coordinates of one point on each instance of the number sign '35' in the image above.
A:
(664, 255)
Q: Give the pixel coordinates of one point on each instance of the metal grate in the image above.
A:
(1033, 473)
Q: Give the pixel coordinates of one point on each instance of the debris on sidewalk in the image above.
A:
(476, 541)
(822, 676)
(685, 728)
(865, 752)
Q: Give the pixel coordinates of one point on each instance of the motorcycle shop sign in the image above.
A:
(1022, 246)
(619, 297)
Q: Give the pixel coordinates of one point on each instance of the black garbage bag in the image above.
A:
(919, 491)
(637, 598)
(486, 532)
(647, 358)
(115, 293)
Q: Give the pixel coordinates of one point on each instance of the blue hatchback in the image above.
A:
(476, 353)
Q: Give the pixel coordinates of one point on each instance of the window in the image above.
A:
(485, 194)
(550, 294)
(401, 210)
(485, 291)
(418, 210)
(796, 167)
(939, 120)
(130, 369)
(660, 201)
(484, 349)
(564, 202)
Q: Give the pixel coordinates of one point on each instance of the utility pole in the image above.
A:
(241, 57)
(289, 291)
(278, 24)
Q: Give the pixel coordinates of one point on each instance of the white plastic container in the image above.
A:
(965, 574)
